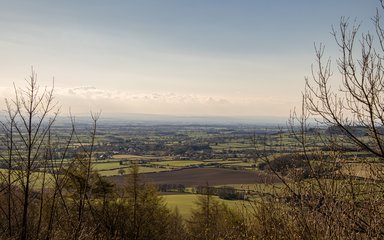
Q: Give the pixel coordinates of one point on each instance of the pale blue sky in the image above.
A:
(178, 57)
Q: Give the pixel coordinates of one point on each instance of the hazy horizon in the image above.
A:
(160, 119)
(241, 59)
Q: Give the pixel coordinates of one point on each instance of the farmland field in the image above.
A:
(203, 176)
(183, 163)
(126, 170)
(185, 203)
(179, 159)
(131, 157)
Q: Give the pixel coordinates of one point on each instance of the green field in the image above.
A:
(181, 163)
(185, 203)
(99, 166)
(36, 178)
(142, 169)
(133, 157)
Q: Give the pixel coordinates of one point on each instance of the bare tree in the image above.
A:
(350, 104)
(359, 101)
(29, 118)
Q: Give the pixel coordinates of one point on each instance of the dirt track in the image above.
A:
(201, 176)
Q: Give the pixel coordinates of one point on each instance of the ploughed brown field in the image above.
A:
(202, 176)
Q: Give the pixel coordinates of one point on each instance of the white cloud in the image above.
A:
(86, 98)
(92, 93)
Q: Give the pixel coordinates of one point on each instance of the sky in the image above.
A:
(239, 58)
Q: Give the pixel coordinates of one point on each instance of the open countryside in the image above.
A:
(192, 120)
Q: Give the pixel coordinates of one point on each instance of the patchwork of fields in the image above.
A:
(198, 155)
